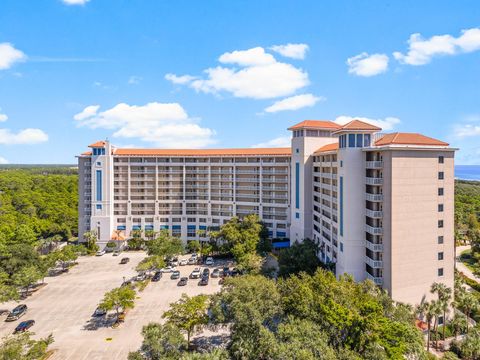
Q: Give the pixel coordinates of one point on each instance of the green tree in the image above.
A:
(149, 263)
(444, 294)
(91, 241)
(165, 245)
(459, 324)
(22, 347)
(66, 255)
(299, 257)
(111, 245)
(161, 342)
(193, 246)
(119, 298)
(27, 277)
(188, 314)
(250, 263)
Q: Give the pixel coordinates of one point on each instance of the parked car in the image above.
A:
(17, 312)
(206, 272)
(225, 271)
(183, 281)
(203, 281)
(168, 269)
(141, 277)
(124, 260)
(183, 262)
(157, 276)
(194, 255)
(116, 253)
(195, 273)
(100, 253)
(192, 261)
(99, 312)
(24, 326)
(216, 273)
(175, 275)
(209, 261)
(173, 262)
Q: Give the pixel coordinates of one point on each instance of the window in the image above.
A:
(99, 184)
(440, 207)
(440, 255)
(366, 140)
(440, 223)
(440, 240)
(297, 151)
(99, 163)
(99, 206)
(341, 205)
(297, 216)
(441, 159)
(359, 140)
(341, 163)
(351, 140)
(297, 185)
(440, 271)
(440, 191)
(341, 247)
(440, 175)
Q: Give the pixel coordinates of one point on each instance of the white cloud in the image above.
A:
(386, 124)
(3, 117)
(163, 124)
(367, 65)
(260, 76)
(466, 130)
(281, 141)
(294, 103)
(23, 137)
(9, 56)
(251, 57)
(294, 51)
(134, 80)
(179, 80)
(75, 2)
(421, 51)
(3, 161)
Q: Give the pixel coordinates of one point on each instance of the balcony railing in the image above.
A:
(376, 280)
(373, 181)
(373, 230)
(374, 164)
(374, 214)
(373, 247)
(376, 264)
(374, 197)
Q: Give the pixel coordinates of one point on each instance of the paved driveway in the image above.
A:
(65, 305)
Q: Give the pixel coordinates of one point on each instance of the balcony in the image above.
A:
(376, 280)
(374, 230)
(373, 181)
(373, 247)
(374, 164)
(374, 197)
(374, 214)
(376, 264)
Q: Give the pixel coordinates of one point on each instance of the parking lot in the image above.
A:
(64, 307)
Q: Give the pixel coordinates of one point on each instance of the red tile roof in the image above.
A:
(97, 144)
(328, 147)
(359, 125)
(408, 139)
(322, 124)
(86, 153)
(203, 152)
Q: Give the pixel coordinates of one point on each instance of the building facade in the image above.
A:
(380, 206)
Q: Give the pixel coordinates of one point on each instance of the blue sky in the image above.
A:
(150, 73)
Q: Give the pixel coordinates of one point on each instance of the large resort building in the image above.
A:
(380, 206)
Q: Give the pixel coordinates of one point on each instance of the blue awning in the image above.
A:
(191, 227)
(163, 227)
(281, 234)
(148, 227)
(281, 245)
(121, 227)
(136, 227)
(177, 227)
(202, 227)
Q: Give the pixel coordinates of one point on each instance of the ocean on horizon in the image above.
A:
(467, 172)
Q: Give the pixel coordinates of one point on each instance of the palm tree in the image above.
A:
(459, 323)
(424, 311)
(444, 294)
(467, 302)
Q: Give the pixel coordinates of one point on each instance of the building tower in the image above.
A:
(307, 137)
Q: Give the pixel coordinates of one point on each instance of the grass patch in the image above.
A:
(141, 285)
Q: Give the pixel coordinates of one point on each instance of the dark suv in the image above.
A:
(16, 313)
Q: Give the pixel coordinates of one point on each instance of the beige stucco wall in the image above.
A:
(411, 222)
